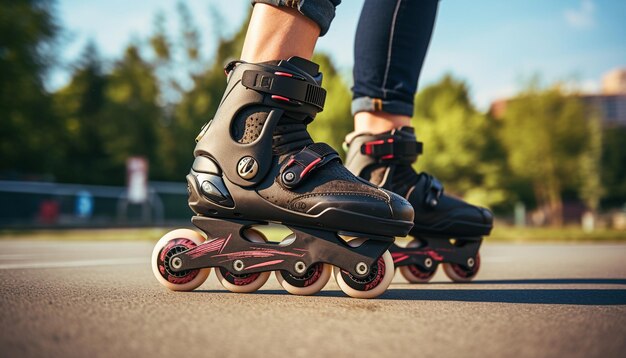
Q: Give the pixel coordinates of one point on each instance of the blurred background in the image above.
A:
(521, 106)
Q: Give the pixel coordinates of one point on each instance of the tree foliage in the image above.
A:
(460, 146)
(546, 135)
(614, 166)
(28, 127)
(81, 106)
(591, 189)
(132, 111)
(335, 121)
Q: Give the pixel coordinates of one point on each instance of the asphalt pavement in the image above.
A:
(100, 299)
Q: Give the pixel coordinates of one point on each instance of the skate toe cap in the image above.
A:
(400, 208)
(487, 216)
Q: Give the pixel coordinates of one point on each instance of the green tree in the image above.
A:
(28, 129)
(546, 134)
(198, 103)
(591, 188)
(80, 104)
(133, 113)
(460, 145)
(335, 121)
(614, 166)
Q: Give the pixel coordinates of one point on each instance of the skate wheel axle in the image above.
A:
(361, 268)
(238, 265)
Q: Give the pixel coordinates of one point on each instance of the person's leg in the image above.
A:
(390, 45)
(280, 29)
(291, 34)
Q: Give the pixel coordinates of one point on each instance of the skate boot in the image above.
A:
(447, 230)
(255, 163)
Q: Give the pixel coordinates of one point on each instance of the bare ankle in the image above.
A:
(379, 122)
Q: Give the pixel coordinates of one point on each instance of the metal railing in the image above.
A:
(46, 204)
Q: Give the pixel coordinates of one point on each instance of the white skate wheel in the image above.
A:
(458, 273)
(313, 283)
(414, 273)
(245, 283)
(378, 284)
(173, 242)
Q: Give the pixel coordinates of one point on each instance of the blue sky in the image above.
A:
(492, 44)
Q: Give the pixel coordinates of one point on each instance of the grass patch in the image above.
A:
(564, 234)
(117, 234)
(276, 233)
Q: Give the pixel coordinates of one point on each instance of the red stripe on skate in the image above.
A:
(204, 248)
(225, 243)
(369, 145)
(400, 258)
(435, 255)
(281, 98)
(284, 74)
(212, 246)
(268, 263)
(309, 167)
(257, 253)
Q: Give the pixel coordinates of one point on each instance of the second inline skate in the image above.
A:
(447, 230)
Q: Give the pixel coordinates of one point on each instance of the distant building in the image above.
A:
(614, 82)
(498, 107)
(611, 107)
(610, 104)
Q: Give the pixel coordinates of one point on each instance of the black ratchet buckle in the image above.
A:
(304, 162)
(392, 148)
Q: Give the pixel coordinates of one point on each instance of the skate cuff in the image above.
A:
(301, 164)
(393, 148)
(285, 88)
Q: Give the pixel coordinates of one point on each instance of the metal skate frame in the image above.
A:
(228, 248)
(436, 250)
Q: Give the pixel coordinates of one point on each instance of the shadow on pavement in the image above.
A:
(586, 297)
(553, 281)
(530, 296)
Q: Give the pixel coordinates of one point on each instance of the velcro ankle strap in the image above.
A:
(302, 164)
(285, 87)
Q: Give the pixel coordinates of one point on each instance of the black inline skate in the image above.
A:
(256, 163)
(447, 230)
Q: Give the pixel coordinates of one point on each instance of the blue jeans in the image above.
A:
(391, 41)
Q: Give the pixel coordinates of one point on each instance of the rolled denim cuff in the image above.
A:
(368, 104)
(322, 12)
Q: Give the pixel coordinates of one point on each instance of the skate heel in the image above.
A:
(206, 188)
